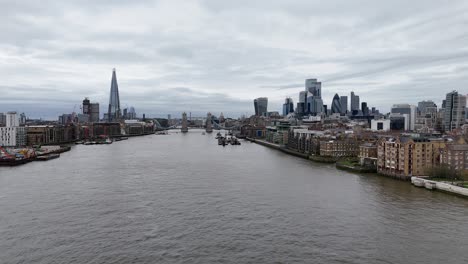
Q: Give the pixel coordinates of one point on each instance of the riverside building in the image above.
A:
(12, 135)
(405, 156)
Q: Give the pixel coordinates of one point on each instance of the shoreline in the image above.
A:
(428, 184)
(64, 147)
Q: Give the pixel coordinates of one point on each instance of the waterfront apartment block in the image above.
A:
(276, 136)
(368, 154)
(405, 156)
(48, 134)
(135, 127)
(339, 148)
(455, 156)
(106, 129)
(12, 135)
(304, 140)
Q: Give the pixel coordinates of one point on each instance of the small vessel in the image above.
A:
(235, 141)
(47, 157)
(108, 141)
(222, 141)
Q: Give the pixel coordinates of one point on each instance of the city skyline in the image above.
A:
(387, 56)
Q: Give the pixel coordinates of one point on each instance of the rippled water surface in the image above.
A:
(181, 198)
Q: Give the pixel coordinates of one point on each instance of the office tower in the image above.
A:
(302, 104)
(114, 113)
(81, 118)
(261, 106)
(22, 119)
(65, 119)
(132, 113)
(86, 106)
(364, 109)
(314, 105)
(454, 114)
(12, 119)
(344, 104)
(288, 106)
(256, 106)
(354, 102)
(314, 87)
(91, 109)
(300, 108)
(303, 97)
(336, 105)
(426, 108)
(94, 114)
(410, 110)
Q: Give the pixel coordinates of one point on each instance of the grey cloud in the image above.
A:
(219, 55)
(283, 86)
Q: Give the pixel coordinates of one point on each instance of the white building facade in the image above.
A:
(380, 125)
(12, 135)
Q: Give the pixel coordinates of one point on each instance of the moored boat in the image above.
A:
(47, 157)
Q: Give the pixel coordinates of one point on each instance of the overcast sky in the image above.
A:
(173, 56)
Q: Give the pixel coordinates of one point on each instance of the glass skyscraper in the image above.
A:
(454, 112)
(114, 113)
(336, 105)
(261, 106)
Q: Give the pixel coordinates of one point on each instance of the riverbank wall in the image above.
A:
(289, 151)
(354, 168)
(278, 147)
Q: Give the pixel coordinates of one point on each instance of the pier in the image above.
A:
(440, 186)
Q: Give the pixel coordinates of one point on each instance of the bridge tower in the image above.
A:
(209, 126)
(184, 128)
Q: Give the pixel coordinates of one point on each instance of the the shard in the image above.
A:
(114, 100)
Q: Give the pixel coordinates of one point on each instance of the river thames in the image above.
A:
(181, 198)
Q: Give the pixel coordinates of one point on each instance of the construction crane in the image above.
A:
(73, 116)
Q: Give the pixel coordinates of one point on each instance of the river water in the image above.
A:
(181, 198)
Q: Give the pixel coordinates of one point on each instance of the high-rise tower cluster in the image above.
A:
(310, 100)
